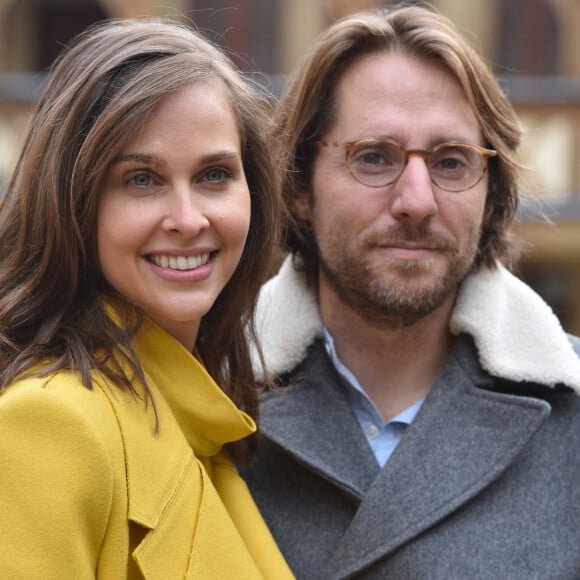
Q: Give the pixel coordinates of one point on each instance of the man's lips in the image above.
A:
(409, 252)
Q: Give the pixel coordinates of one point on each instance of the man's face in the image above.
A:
(393, 254)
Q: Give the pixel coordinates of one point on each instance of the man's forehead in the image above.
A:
(389, 94)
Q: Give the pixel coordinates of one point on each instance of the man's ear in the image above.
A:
(301, 207)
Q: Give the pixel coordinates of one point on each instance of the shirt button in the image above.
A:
(372, 431)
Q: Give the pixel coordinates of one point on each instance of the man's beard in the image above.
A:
(404, 297)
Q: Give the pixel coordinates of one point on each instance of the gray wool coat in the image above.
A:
(486, 481)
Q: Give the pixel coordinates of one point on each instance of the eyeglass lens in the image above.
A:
(452, 167)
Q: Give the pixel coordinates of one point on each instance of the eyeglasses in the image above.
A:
(379, 162)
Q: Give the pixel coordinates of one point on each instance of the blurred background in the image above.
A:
(533, 47)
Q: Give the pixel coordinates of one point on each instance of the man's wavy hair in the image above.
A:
(52, 293)
(309, 109)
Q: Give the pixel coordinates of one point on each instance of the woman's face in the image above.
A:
(174, 211)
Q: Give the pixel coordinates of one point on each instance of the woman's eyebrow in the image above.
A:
(139, 158)
(155, 160)
(219, 156)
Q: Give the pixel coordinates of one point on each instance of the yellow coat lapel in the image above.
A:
(199, 519)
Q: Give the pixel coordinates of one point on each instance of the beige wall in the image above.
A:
(142, 8)
(569, 21)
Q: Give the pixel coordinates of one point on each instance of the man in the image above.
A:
(428, 420)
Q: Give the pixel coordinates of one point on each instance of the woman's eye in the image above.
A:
(217, 174)
(140, 179)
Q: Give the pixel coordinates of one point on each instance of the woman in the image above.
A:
(134, 234)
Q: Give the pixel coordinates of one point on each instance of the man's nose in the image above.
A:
(413, 196)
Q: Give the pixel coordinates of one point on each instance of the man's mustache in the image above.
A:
(421, 236)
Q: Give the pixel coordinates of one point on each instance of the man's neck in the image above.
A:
(395, 366)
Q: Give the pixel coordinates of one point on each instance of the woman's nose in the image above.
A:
(185, 212)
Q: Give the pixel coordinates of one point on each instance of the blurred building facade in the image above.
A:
(532, 45)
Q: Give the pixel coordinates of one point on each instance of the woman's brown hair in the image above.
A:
(99, 93)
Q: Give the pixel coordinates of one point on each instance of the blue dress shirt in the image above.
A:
(382, 437)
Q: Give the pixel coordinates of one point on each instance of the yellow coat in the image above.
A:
(88, 489)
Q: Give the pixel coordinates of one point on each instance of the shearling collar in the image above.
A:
(517, 335)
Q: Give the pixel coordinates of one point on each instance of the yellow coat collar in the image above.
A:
(189, 405)
(206, 415)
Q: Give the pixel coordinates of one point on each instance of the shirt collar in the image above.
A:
(357, 395)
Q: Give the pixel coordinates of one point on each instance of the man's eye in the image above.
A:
(371, 157)
(450, 163)
(454, 159)
(367, 157)
(384, 156)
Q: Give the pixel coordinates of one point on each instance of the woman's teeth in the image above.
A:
(180, 262)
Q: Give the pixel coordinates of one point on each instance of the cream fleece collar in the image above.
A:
(517, 335)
